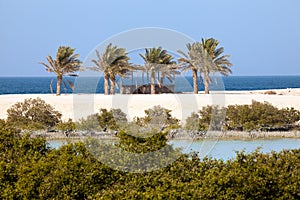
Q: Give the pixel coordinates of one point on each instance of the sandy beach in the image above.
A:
(82, 105)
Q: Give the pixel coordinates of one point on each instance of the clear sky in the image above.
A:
(261, 35)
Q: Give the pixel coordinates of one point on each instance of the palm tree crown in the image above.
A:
(66, 63)
(206, 58)
(193, 60)
(113, 62)
(158, 60)
(220, 63)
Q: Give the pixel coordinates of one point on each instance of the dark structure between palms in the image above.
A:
(159, 61)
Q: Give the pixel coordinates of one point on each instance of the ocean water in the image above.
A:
(34, 85)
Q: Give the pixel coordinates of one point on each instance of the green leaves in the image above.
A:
(157, 117)
(257, 116)
(111, 119)
(208, 117)
(30, 170)
(66, 126)
(33, 114)
(260, 116)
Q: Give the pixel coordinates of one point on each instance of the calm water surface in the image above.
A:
(40, 85)
(223, 149)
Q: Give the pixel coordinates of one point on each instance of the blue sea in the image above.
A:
(41, 85)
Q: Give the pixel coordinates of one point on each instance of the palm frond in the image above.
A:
(51, 87)
(71, 84)
(66, 88)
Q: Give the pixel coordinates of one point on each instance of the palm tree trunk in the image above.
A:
(152, 82)
(206, 82)
(147, 77)
(195, 80)
(121, 87)
(162, 79)
(106, 78)
(58, 85)
(112, 85)
(162, 82)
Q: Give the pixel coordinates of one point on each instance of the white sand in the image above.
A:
(77, 106)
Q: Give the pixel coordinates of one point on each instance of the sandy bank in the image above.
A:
(77, 106)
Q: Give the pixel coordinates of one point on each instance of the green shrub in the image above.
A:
(193, 123)
(33, 114)
(157, 116)
(91, 123)
(209, 117)
(68, 126)
(112, 119)
(30, 170)
(257, 116)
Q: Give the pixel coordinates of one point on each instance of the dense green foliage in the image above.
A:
(36, 114)
(91, 123)
(209, 117)
(111, 119)
(33, 114)
(157, 116)
(260, 116)
(68, 126)
(30, 170)
(256, 116)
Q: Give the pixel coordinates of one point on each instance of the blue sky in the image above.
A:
(261, 35)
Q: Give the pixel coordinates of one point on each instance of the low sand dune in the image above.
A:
(78, 106)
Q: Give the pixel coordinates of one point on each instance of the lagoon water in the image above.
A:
(226, 149)
(223, 149)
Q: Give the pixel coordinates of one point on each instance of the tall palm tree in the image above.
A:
(192, 60)
(220, 63)
(112, 62)
(66, 63)
(156, 60)
(121, 69)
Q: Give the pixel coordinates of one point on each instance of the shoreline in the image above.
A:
(213, 135)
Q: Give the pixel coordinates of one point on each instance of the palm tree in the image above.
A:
(113, 62)
(192, 60)
(156, 60)
(220, 62)
(121, 69)
(169, 72)
(66, 63)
